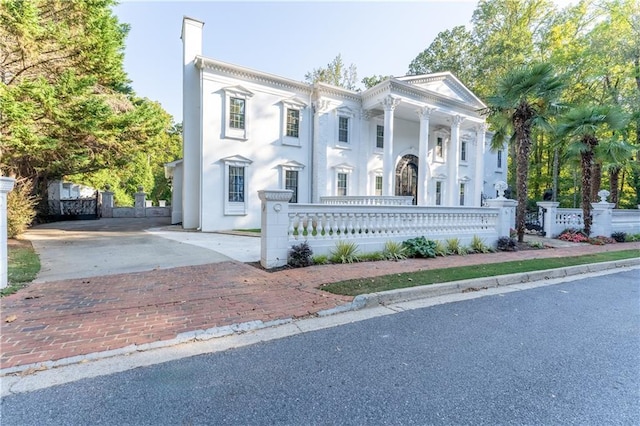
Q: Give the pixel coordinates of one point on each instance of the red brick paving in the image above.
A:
(56, 320)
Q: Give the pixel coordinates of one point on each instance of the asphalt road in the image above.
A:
(562, 354)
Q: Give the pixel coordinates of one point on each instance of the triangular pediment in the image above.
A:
(238, 91)
(446, 85)
(236, 160)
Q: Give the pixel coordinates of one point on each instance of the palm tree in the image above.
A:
(615, 155)
(522, 102)
(581, 125)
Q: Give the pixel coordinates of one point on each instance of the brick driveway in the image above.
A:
(60, 319)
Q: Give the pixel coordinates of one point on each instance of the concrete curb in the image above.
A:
(363, 301)
(433, 290)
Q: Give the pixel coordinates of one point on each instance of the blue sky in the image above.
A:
(286, 38)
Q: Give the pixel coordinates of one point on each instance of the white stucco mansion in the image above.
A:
(247, 130)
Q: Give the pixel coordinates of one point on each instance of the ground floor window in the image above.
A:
(378, 185)
(462, 190)
(438, 193)
(342, 184)
(236, 184)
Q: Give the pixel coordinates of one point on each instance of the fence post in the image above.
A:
(507, 215)
(602, 215)
(140, 203)
(274, 239)
(107, 202)
(549, 213)
(6, 185)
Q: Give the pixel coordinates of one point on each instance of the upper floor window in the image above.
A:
(293, 122)
(379, 136)
(439, 149)
(343, 129)
(499, 159)
(236, 113)
(236, 102)
(463, 151)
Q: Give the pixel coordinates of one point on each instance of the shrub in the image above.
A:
(507, 244)
(601, 240)
(620, 237)
(478, 245)
(344, 252)
(536, 244)
(440, 249)
(630, 238)
(420, 247)
(21, 207)
(371, 257)
(454, 247)
(573, 236)
(394, 251)
(300, 255)
(320, 259)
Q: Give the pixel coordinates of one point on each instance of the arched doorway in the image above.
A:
(407, 177)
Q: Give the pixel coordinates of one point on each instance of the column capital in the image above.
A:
(482, 127)
(390, 102)
(425, 112)
(365, 114)
(320, 105)
(456, 120)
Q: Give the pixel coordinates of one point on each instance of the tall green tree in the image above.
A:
(335, 73)
(581, 125)
(524, 99)
(66, 108)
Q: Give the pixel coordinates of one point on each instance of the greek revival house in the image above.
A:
(246, 130)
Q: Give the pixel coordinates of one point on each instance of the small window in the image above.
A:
(438, 193)
(343, 129)
(236, 184)
(462, 188)
(293, 122)
(379, 136)
(378, 185)
(463, 151)
(291, 182)
(499, 160)
(342, 184)
(439, 147)
(236, 113)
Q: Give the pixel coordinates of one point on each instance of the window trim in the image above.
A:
(438, 193)
(443, 136)
(347, 113)
(236, 208)
(291, 166)
(236, 92)
(296, 105)
(342, 169)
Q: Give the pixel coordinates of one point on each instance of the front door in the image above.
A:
(407, 177)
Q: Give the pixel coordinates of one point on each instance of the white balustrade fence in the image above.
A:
(369, 226)
(626, 221)
(373, 200)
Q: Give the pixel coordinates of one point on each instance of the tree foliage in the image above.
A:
(66, 106)
(335, 73)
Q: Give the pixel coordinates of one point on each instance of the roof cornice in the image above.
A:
(329, 89)
(249, 74)
(430, 97)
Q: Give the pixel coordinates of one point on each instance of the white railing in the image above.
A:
(568, 218)
(369, 200)
(372, 226)
(626, 221)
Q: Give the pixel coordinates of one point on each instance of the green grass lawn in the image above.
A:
(411, 279)
(23, 266)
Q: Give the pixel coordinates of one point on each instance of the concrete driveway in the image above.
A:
(78, 249)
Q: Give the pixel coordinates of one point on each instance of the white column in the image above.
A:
(423, 146)
(319, 147)
(6, 185)
(453, 161)
(479, 178)
(388, 180)
(191, 132)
